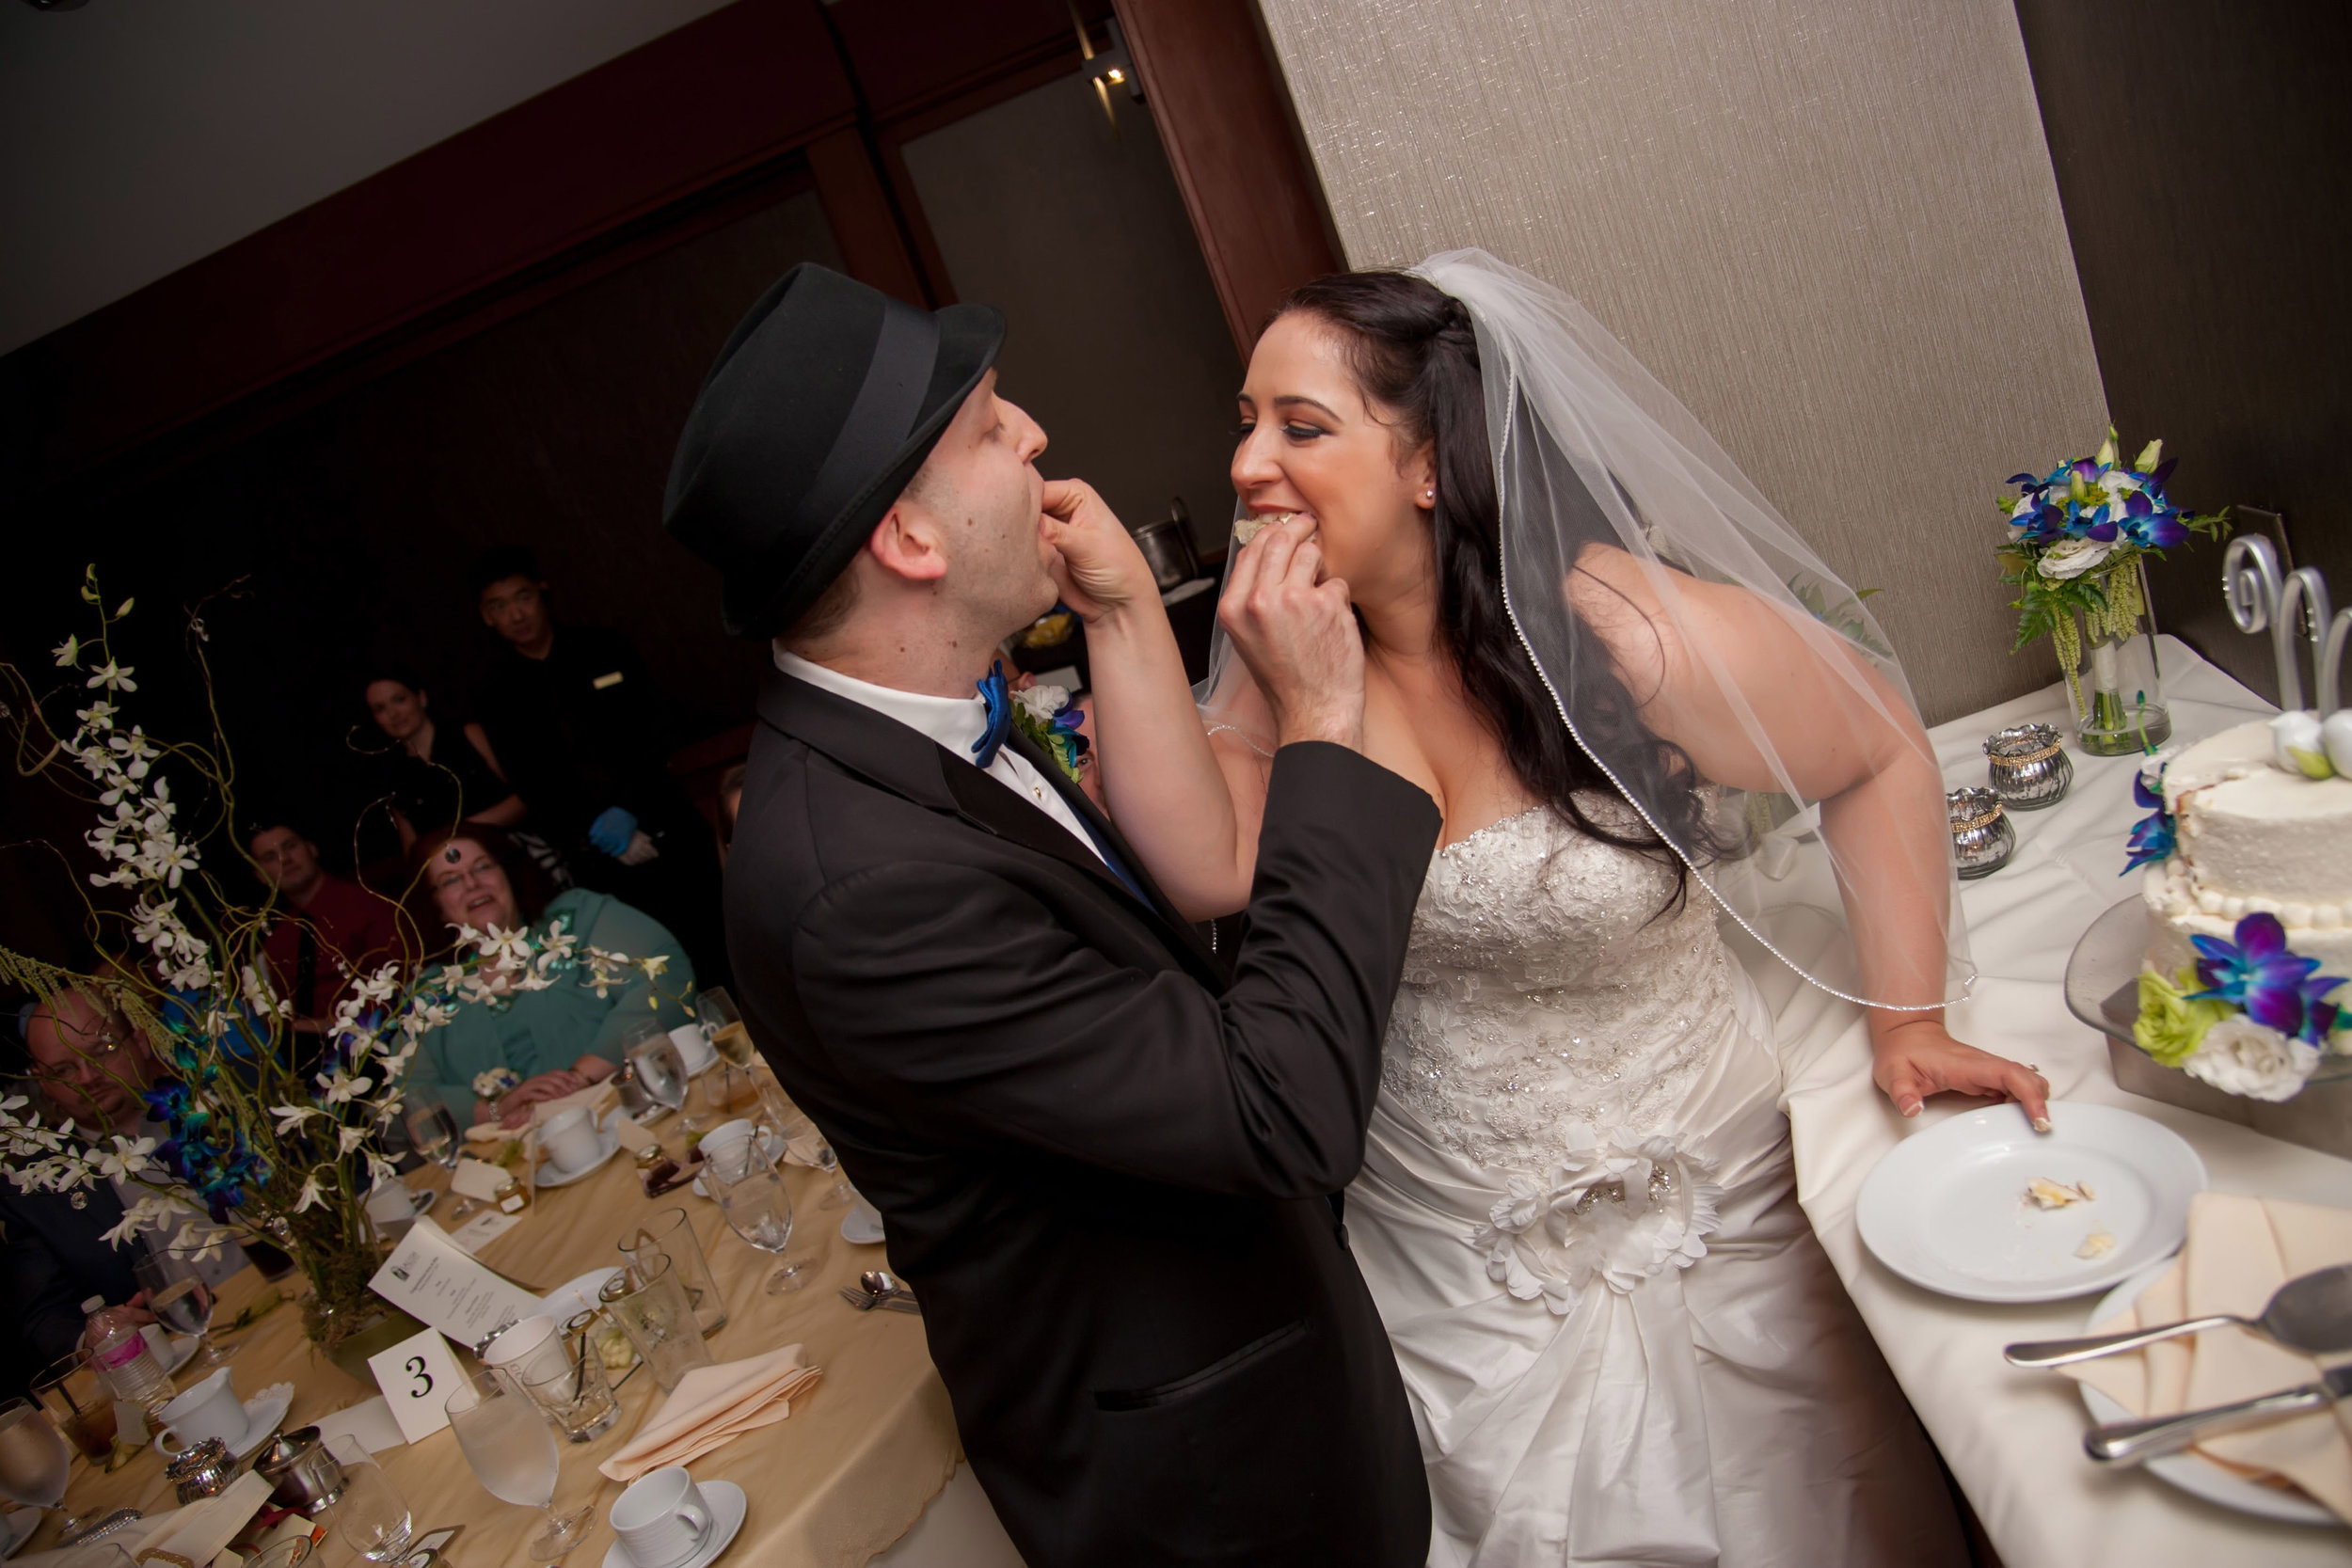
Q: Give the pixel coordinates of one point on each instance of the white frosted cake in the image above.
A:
(2251, 836)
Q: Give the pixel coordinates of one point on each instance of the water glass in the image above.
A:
(180, 1300)
(807, 1145)
(670, 1233)
(650, 1304)
(660, 1070)
(751, 1194)
(34, 1460)
(372, 1517)
(78, 1405)
(435, 1133)
(577, 1399)
(514, 1455)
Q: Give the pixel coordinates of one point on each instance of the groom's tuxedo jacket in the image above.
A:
(1103, 1160)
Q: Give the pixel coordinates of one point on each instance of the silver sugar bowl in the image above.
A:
(200, 1470)
(1982, 839)
(2027, 766)
(303, 1475)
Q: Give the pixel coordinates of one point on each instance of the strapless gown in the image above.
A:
(1577, 1215)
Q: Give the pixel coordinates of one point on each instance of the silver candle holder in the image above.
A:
(2027, 766)
(1983, 837)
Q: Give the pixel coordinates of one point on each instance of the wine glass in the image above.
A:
(660, 1068)
(433, 1132)
(371, 1516)
(34, 1460)
(180, 1300)
(512, 1449)
(751, 1194)
(732, 1038)
(802, 1138)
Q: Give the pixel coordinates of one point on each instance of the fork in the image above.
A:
(865, 1301)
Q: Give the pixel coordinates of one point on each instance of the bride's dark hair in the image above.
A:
(1414, 353)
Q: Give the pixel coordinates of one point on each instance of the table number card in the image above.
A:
(435, 1281)
(477, 1178)
(417, 1375)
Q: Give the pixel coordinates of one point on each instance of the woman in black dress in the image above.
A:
(436, 779)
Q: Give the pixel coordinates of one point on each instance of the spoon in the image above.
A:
(879, 1284)
(2312, 1314)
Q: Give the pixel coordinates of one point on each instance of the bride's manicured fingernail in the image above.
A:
(1912, 1109)
(2041, 1124)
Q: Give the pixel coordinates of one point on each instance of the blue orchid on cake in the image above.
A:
(2248, 877)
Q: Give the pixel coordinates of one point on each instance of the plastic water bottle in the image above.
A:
(124, 1361)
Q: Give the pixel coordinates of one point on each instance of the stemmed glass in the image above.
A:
(731, 1040)
(434, 1133)
(802, 1137)
(660, 1068)
(751, 1194)
(180, 1300)
(34, 1460)
(371, 1516)
(512, 1449)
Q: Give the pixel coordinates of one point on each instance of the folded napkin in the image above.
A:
(712, 1406)
(597, 1097)
(2239, 1251)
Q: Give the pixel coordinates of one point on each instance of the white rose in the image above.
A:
(2336, 730)
(2152, 766)
(1041, 703)
(2073, 557)
(2298, 745)
(2242, 1057)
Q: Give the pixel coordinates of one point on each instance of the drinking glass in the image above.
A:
(660, 1068)
(180, 1300)
(513, 1454)
(78, 1405)
(34, 1460)
(435, 1133)
(371, 1517)
(802, 1139)
(650, 1304)
(731, 1040)
(751, 1194)
(575, 1398)
(670, 1233)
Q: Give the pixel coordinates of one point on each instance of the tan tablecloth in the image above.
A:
(838, 1481)
(2014, 1437)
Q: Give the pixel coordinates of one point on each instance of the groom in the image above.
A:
(1102, 1158)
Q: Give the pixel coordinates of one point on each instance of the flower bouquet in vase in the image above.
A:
(2078, 541)
(257, 1125)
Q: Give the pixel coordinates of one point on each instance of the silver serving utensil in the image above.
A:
(867, 1301)
(2128, 1442)
(2312, 1314)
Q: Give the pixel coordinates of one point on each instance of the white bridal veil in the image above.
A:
(1835, 855)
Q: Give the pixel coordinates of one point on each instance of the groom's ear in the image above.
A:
(906, 543)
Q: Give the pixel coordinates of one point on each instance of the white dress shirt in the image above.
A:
(956, 724)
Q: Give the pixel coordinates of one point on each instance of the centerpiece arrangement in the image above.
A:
(271, 1132)
(2079, 539)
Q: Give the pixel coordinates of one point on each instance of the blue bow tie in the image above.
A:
(998, 701)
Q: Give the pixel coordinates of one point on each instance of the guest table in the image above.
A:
(2014, 1437)
(838, 1481)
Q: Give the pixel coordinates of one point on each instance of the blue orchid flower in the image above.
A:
(2152, 523)
(2274, 986)
(2152, 838)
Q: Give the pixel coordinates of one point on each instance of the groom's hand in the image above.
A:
(1097, 564)
(1298, 636)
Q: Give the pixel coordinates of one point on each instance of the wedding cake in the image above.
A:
(2251, 837)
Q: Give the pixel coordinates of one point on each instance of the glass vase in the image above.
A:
(2120, 708)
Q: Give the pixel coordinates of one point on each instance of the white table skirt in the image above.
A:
(2014, 1437)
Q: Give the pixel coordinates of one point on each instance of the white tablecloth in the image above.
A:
(2014, 1437)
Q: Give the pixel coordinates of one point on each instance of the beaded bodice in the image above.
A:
(1548, 998)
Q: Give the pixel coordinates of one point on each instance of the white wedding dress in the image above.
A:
(1577, 1215)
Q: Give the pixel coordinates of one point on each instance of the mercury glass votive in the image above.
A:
(1982, 838)
(2027, 766)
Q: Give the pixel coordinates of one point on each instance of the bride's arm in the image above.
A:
(1867, 763)
(1189, 801)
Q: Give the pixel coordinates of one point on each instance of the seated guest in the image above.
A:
(332, 927)
(585, 737)
(85, 1062)
(460, 781)
(557, 1040)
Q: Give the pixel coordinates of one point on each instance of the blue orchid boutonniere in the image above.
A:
(1048, 717)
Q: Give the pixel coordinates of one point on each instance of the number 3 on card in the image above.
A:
(417, 1375)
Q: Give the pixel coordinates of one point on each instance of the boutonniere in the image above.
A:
(1047, 716)
(496, 1083)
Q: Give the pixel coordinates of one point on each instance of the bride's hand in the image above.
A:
(1914, 1060)
(1097, 565)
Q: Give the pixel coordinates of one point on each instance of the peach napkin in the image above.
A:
(2239, 1251)
(712, 1406)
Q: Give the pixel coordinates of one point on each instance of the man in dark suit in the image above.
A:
(1104, 1161)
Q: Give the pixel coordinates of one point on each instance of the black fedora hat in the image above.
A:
(826, 399)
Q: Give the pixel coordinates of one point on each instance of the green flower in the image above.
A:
(2170, 1026)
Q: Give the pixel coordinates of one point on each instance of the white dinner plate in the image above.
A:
(858, 1228)
(607, 1143)
(728, 1505)
(2192, 1472)
(1947, 1208)
(573, 1297)
(19, 1524)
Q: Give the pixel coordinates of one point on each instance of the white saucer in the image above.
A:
(727, 1507)
(2192, 1472)
(174, 1352)
(265, 1413)
(771, 1145)
(1947, 1208)
(608, 1144)
(18, 1525)
(855, 1227)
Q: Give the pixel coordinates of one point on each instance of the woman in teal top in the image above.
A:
(557, 1040)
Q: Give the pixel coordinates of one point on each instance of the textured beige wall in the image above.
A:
(1830, 225)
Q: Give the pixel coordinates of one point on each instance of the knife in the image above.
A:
(2128, 1442)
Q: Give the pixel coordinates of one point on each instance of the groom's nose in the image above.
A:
(1028, 435)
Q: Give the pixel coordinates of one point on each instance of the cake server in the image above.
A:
(2312, 1314)
(2126, 1442)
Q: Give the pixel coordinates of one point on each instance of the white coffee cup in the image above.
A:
(571, 1141)
(693, 1047)
(531, 1348)
(661, 1519)
(210, 1409)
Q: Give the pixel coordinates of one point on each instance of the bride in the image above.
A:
(1647, 711)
